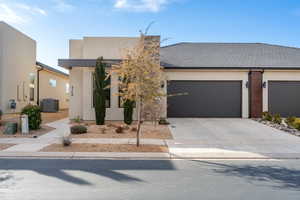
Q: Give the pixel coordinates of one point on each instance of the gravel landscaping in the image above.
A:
(84, 147)
(283, 126)
(44, 129)
(46, 117)
(109, 131)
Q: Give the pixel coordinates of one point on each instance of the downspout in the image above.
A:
(38, 86)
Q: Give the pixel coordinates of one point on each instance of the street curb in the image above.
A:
(123, 155)
(75, 155)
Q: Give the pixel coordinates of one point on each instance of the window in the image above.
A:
(107, 92)
(67, 88)
(31, 86)
(52, 82)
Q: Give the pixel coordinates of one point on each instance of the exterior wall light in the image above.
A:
(264, 85)
(247, 84)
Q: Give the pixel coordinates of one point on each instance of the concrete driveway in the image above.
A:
(230, 138)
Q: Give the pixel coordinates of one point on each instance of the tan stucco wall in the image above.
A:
(58, 92)
(94, 47)
(75, 49)
(81, 101)
(273, 75)
(81, 78)
(76, 94)
(18, 58)
(108, 47)
(215, 75)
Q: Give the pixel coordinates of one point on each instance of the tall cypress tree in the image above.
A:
(128, 111)
(99, 91)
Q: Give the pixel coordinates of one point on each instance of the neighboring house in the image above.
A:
(17, 69)
(53, 84)
(21, 75)
(220, 79)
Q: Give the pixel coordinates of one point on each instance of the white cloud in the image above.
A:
(141, 5)
(8, 15)
(32, 9)
(63, 6)
(18, 13)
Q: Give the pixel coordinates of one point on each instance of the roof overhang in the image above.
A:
(42, 66)
(69, 63)
(169, 66)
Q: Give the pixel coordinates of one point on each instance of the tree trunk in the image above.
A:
(139, 123)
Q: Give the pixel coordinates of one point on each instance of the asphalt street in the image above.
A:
(59, 179)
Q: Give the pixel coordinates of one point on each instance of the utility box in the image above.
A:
(24, 124)
(11, 128)
(50, 105)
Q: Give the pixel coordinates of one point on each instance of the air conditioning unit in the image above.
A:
(50, 105)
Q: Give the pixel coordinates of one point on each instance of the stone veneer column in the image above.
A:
(256, 93)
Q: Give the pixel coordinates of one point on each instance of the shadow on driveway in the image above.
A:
(107, 168)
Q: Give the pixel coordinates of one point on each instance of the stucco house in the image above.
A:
(52, 83)
(17, 69)
(23, 80)
(221, 79)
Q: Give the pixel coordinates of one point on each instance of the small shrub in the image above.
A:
(163, 121)
(34, 116)
(119, 129)
(277, 119)
(1, 113)
(290, 120)
(66, 141)
(77, 119)
(267, 116)
(296, 125)
(134, 129)
(78, 129)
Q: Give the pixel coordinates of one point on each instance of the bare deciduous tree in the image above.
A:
(141, 75)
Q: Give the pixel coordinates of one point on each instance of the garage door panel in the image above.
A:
(204, 99)
(284, 97)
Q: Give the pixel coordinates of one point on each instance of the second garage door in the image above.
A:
(204, 98)
(284, 98)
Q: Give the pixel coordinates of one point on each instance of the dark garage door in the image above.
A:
(284, 98)
(204, 99)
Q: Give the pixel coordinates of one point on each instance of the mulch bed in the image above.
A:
(84, 147)
(149, 131)
(5, 146)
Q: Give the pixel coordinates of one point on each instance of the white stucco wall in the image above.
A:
(215, 75)
(276, 75)
(18, 58)
(58, 92)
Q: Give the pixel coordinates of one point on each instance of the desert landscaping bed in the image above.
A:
(283, 126)
(83, 147)
(44, 129)
(5, 146)
(51, 117)
(109, 131)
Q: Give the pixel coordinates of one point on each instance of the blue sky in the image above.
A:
(53, 22)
